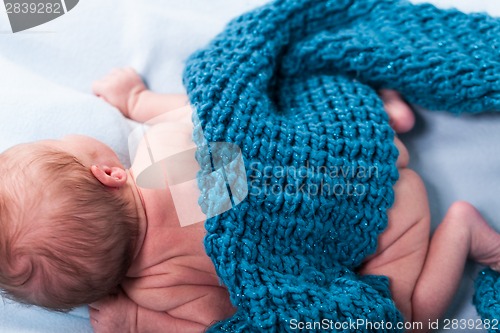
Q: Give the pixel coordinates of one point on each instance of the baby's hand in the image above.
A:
(115, 313)
(120, 88)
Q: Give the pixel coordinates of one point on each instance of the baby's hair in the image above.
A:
(65, 239)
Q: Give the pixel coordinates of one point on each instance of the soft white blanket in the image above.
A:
(46, 75)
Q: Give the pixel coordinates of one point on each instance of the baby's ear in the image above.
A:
(109, 176)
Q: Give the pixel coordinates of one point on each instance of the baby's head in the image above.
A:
(66, 236)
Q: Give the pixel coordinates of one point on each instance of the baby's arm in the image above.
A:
(124, 89)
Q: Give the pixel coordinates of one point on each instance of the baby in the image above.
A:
(76, 229)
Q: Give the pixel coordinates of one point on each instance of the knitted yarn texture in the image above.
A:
(487, 298)
(293, 84)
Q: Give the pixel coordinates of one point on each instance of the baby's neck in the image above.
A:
(155, 208)
(159, 207)
(152, 205)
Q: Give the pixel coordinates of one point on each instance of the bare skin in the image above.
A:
(423, 273)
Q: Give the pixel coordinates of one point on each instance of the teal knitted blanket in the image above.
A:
(293, 84)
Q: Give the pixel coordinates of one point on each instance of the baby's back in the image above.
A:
(173, 274)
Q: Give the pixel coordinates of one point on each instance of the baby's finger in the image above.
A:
(400, 114)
